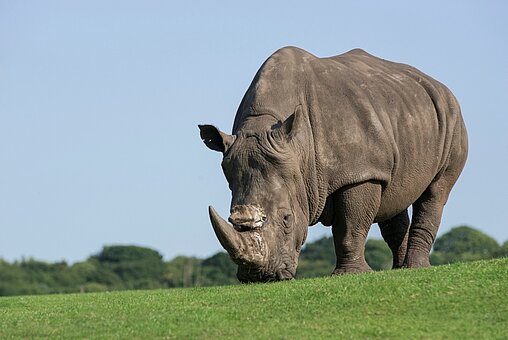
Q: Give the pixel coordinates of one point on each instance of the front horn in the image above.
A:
(246, 247)
(228, 237)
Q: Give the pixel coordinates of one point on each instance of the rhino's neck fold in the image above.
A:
(316, 191)
(315, 195)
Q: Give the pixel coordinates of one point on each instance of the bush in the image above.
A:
(462, 244)
(378, 255)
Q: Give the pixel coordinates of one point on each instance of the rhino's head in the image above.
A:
(269, 211)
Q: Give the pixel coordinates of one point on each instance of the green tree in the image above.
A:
(503, 250)
(85, 274)
(463, 244)
(317, 258)
(103, 274)
(30, 276)
(46, 277)
(218, 269)
(182, 271)
(137, 267)
(321, 249)
(313, 268)
(378, 255)
(14, 281)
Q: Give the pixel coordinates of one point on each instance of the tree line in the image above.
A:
(133, 267)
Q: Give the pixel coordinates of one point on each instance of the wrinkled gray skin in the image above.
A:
(348, 141)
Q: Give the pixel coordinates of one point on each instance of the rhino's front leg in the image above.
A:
(395, 234)
(355, 208)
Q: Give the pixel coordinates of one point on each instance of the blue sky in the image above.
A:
(100, 101)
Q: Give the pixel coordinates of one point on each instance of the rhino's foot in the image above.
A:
(351, 269)
(398, 260)
(416, 260)
(398, 265)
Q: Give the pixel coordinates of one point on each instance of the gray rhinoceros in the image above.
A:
(347, 141)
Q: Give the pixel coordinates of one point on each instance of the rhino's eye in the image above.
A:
(287, 225)
(287, 218)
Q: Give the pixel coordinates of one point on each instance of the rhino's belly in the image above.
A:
(403, 191)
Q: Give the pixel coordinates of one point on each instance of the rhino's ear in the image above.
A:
(215, 139)
(293, 124)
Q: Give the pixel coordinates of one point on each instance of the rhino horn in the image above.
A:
(227, 235)
(247, 247)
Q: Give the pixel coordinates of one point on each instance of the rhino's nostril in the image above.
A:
(245, 217)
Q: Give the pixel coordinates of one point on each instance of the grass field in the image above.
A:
(468, 300)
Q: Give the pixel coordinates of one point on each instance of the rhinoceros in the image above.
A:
(347, 141)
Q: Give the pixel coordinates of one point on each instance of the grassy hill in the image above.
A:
(467, 300)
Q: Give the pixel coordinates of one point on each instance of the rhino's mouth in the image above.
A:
(248, 274)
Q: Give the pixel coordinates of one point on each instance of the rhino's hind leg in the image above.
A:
(427, 212)
(354, 210)
(395, 234)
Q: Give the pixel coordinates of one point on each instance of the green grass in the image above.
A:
(468, 300)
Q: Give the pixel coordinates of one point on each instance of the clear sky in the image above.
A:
(100, 101)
